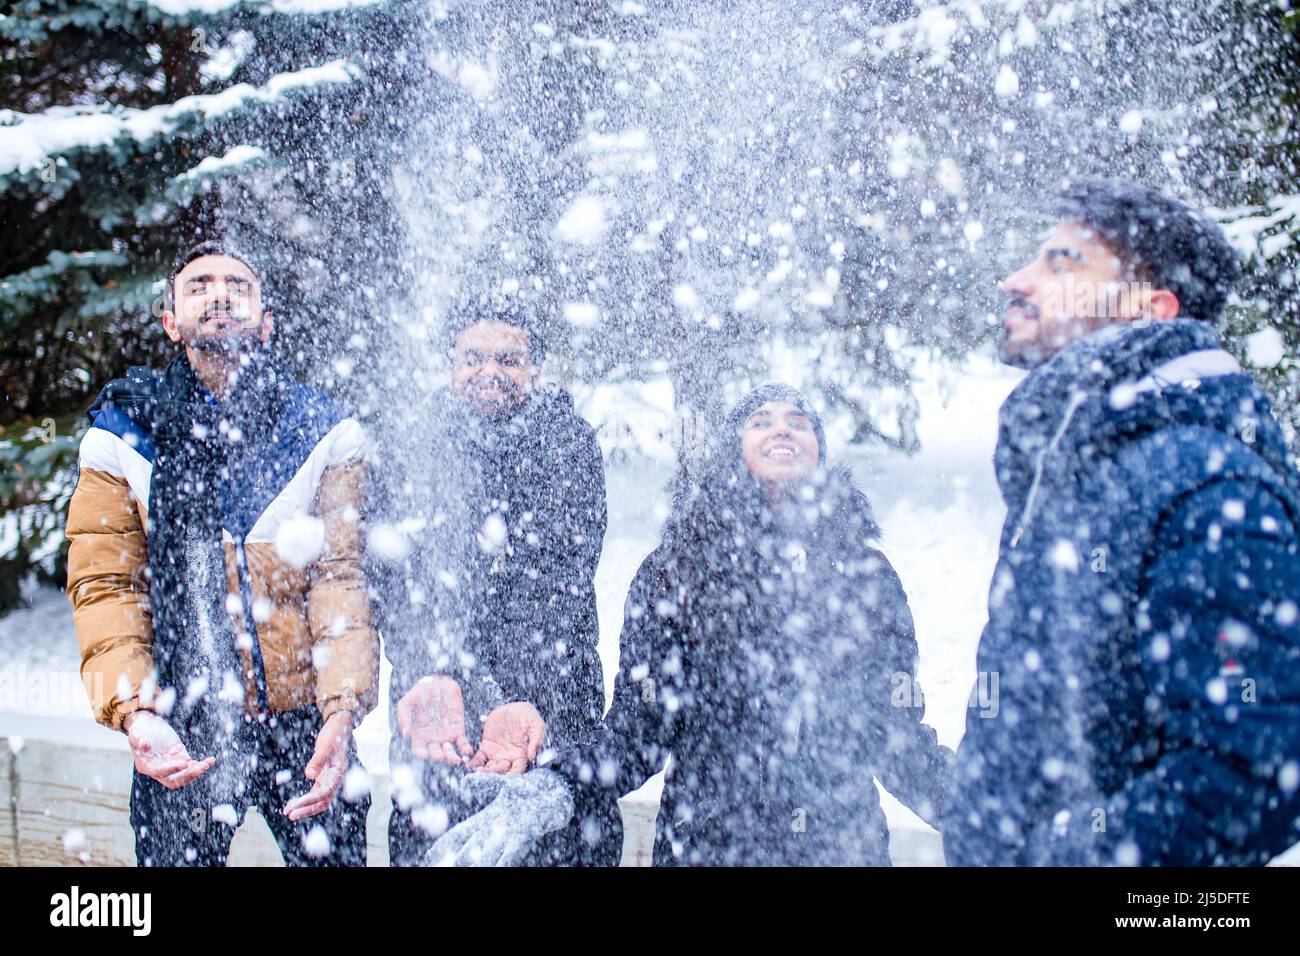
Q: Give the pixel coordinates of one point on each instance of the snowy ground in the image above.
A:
(940, 512)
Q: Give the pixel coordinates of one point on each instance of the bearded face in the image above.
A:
(492, 367)
(1075, 285)
(218, 307)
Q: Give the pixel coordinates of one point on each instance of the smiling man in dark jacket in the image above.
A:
(1142, 617)
(489, 615)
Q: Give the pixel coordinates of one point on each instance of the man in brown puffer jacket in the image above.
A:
(216, 579)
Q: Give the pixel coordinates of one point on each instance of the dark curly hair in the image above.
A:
(1167, 244)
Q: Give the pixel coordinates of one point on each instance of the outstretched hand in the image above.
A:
(431, 715)
(159, 752)
(512, 738)
(326, 770)
(525, 809)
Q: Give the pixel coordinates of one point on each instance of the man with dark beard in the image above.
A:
(215, 574)
(1142, 619)
(488, 606)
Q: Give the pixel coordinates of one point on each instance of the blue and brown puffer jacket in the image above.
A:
(297, 613)
(1142, 631)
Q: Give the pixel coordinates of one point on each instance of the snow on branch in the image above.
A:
(1256, 230)
(28, 140)
(216, 164)
(181, 8)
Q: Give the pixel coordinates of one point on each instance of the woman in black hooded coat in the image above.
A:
(768, 649)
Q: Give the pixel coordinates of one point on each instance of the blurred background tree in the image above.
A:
(1257, 136)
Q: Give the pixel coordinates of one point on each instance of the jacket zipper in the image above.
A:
(1077, 399)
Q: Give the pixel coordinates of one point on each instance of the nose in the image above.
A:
(223, 293)
(1019, 284)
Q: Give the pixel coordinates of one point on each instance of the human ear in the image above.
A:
(169, 325)
(1163, 305)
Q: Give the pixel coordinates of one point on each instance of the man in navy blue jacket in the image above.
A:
(1143, 614)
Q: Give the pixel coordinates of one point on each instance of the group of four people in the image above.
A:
(236, 556)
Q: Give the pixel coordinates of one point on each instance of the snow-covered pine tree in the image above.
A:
(1258, 108)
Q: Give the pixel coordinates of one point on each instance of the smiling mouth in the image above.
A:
(782, 453)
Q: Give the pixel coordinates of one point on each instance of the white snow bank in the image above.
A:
(39, 662)
(633, 420)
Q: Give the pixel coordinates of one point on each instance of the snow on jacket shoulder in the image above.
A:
(313, 623)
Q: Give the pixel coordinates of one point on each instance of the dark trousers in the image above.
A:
(593, 838)
(263, 769)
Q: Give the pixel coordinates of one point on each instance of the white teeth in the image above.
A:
(780, 453)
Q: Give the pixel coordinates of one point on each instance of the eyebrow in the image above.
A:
(1063, 252)
(229, 277)
(796, 413)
